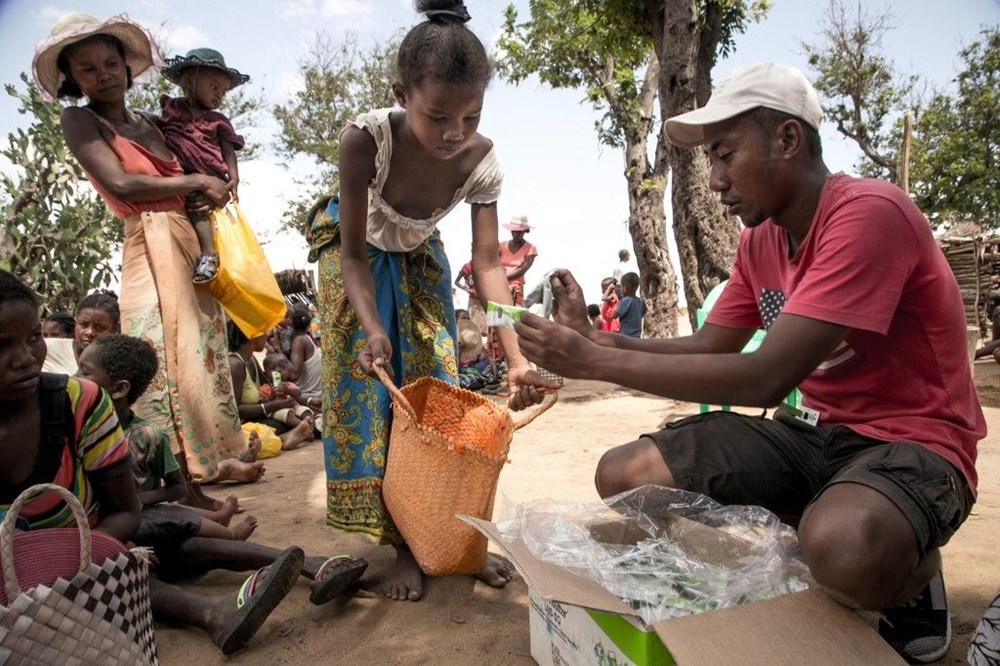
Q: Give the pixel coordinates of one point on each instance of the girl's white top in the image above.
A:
(389, 230)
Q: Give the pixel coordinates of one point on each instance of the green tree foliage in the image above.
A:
(339, 81)
(57, 234)
(860, 90)
(956, 156)
(627, 55)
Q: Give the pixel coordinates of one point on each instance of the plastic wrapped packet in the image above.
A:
(503, 316)
(665, 552)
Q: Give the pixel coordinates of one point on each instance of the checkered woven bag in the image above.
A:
(85, 597)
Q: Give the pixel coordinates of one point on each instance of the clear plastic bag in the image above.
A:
(632, 546)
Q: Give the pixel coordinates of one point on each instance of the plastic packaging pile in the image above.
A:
(748, 556)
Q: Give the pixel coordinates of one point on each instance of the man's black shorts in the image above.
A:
(783, 464)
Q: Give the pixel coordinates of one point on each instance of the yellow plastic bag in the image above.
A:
(245, 285)
(270, 443)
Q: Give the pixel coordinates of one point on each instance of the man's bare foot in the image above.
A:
(405, 581)
(243, 530)
(298, 435)
(253, 448)
(496, 572)
(230, 506)
(241, 472)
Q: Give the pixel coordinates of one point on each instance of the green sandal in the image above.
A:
(335, 576)
(259, 595)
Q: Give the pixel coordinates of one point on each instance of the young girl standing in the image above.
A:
(385, 283)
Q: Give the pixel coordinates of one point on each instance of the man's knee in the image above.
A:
(629, 466)
(864, 555)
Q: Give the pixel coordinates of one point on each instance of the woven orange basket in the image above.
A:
(446, 450)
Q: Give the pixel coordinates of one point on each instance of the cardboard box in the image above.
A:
(574, 620)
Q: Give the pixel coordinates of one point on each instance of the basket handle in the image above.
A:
(7, 528)
(396, 394)
(529, 415)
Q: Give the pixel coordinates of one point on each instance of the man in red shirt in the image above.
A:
(862, 313)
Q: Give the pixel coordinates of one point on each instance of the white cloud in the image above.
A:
(183, 38)
(289, 83)
(346, 8)
(295, 9)
(48, 15)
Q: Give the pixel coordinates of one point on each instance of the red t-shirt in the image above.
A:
(869, 262)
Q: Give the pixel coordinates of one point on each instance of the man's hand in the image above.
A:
(557, 348)
(233, 186)
(524, 384)
(568, 305)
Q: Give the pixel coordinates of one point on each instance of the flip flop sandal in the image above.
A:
(258, 596)
(336, 575)
(207, 268)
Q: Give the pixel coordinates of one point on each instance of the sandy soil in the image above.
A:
(461, 621)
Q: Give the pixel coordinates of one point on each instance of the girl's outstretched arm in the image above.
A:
(357, 169)
(491, 285)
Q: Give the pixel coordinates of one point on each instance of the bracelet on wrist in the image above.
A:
(263, 409)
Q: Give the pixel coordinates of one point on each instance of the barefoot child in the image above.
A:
(385, 283)
(124, 366)
(203, 139)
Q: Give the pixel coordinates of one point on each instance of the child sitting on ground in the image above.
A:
(203, 139)
(282, 384)
(124, 366)
(594, 312)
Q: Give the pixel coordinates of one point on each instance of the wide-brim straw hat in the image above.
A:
(518, 223)
(141, 52)
(201, 58)
(470, 340)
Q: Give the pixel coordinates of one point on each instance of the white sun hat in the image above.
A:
(141, 52)
(768, 84)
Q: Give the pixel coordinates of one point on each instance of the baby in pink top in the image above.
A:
(203, 139)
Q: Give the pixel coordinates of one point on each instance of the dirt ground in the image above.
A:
(461, 621)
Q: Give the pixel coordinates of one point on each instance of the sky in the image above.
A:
(570, 187)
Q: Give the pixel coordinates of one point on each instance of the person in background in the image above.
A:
(594, 312)
(863, 314)
(624, 265)
(305, 358)
(59, 325)
(630, 309)
(609, 301)
(97, 314)
(517, 255)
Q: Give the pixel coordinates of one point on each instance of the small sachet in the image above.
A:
(503, 316)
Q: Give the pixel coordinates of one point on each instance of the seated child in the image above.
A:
(256, 398)
(123, 366)
(594, 312)
(285, 386)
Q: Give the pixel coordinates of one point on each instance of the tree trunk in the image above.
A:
(706, 238)
(647, 222)
(647, 225)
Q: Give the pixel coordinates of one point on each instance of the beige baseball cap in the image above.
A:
(768, 84)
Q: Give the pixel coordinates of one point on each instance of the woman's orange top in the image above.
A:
(137, 160)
